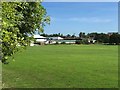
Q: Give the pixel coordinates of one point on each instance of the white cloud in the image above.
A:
(81, 0)
(91, 20)
(83, 19)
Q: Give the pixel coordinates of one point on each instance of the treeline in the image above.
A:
(109, 38)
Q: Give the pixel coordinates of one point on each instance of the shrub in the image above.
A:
(85, 41)
(78, 42)
(63, 43)
(56, 43)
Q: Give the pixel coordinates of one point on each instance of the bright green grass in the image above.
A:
(63, 66)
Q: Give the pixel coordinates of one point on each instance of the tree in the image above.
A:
(73, 36)
(19, 21)
(115, 38)
(82, 35)
(68, 35)
(100, 37)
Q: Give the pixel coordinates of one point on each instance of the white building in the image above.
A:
(55, 38)
(91, 40)
(38, 40)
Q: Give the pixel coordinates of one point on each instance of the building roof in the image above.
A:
(38, 36)
(56, 38)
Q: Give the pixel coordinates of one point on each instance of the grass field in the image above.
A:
(63, 66)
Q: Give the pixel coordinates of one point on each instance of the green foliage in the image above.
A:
(56, 43)
(103, 38)
(78, 42)
(115, 39)
(19, 21)
(85, 41)
(82, 35)
(63, 43)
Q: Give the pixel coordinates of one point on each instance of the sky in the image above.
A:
(74, 17)
(81, 0)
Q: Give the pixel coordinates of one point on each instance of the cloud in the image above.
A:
(90, 20)
(81, 0)
(83, 19)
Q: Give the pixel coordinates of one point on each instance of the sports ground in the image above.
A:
(63, 66)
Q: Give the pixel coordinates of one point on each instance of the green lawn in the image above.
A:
(63, 66)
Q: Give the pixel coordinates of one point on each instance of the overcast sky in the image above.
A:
(70, 18)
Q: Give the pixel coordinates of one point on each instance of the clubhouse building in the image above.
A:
(41, 40)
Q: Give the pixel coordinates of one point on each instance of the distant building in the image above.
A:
(53, 40)
(91, 40)
(39, 40)
(68, 41)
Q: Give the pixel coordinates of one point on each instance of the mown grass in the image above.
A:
(63, 66)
